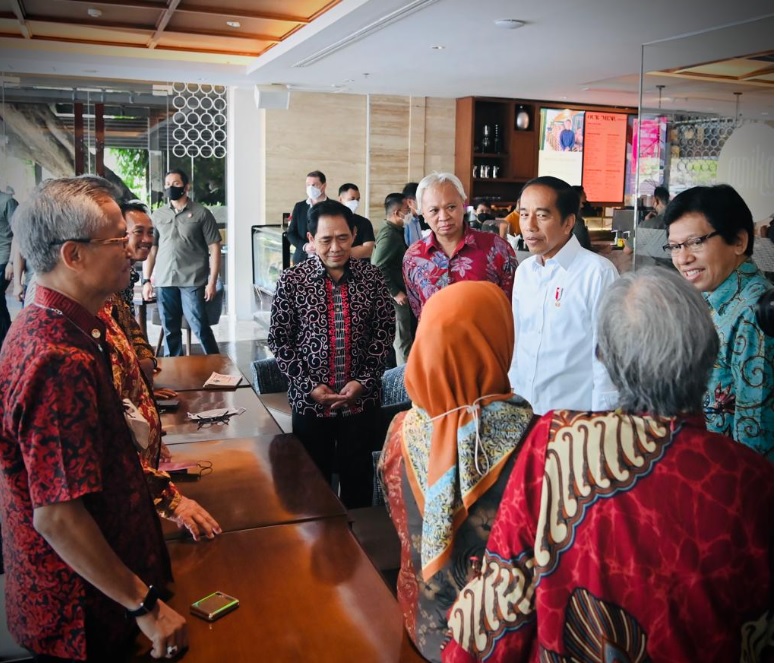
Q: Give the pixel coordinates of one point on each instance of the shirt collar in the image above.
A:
(183, 209)
(51, 299)
(321, 273)
(468, 238)
(727, 290)
(563, 258)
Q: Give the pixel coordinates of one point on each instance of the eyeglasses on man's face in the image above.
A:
(693, 244)
(110, 241)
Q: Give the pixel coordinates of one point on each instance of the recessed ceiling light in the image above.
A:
(509, 23)
(233, 24)
(438, 48)
(94, 12)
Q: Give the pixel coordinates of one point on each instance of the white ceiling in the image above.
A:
(586, 51)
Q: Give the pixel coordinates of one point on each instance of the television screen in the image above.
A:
(604, 159)
(561, 144)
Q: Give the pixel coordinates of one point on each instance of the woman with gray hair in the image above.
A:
(635, 534)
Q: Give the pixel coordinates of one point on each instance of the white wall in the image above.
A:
(245, 193)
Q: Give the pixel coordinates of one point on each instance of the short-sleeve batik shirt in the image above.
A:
(63, 437)
(480, 256)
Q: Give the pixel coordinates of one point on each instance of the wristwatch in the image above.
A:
(144, 280)
(147, 604)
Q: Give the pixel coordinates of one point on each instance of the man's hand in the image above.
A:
(351, 391)
(198, 521)
(401, 298)
(309, 248)
(9, 271)
(164, 393)
(166, 629)
(147, 291)
(323, 395)
(210, 292)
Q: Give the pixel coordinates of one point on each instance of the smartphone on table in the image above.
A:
(214, 606)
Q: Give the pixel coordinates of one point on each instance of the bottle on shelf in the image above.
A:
(497, 139)
(485, 141)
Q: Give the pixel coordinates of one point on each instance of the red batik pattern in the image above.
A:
(670, 535)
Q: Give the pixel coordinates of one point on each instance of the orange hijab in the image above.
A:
(460, 358)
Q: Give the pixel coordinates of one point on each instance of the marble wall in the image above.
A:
(379, 142)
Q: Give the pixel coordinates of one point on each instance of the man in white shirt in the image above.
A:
(555, 300)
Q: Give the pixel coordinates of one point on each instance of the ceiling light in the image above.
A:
(233, 24)
(94, 12)
(438, 48)
(509, 23)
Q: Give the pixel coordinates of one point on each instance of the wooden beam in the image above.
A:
(229, 12)
(18, 10)
(161, 24)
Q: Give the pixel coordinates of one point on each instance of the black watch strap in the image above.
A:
(147, 604)
(144, 280)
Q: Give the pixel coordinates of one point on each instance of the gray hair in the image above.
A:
(657, 341)
(434, 180)
(60, 209)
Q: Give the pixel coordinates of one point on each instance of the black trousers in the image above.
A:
(343, 444)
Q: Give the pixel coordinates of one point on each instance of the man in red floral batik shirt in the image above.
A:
(453, 251)
(633, 535)
(85, 560)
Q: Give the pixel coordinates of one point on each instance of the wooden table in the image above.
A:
(255, 482)
(307, 592)
(190, 372)
(256, 420)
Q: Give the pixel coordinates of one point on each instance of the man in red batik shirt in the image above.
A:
(453, 251)
(84, 555)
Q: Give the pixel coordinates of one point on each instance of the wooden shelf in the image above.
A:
(517, 160)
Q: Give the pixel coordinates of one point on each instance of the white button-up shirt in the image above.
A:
(554, 364)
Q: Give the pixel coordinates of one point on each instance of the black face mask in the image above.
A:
(485, 216)
(175, 192)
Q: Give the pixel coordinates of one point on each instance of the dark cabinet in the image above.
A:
(496, 150)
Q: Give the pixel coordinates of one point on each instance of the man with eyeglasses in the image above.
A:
(710, 239)
(187, 257)
(84, 552)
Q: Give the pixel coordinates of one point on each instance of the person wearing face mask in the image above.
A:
(187, 258)
(414, 221)
(297, 234)
(364, 244)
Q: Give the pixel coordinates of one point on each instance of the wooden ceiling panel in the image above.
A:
(196, 26)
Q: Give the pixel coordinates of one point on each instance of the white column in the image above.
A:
(245, 196)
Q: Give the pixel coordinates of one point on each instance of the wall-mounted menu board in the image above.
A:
(604, 158)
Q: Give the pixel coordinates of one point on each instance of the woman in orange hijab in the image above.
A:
(446, 460)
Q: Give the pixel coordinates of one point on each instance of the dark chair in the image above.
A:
(271, 387)
(267, 378)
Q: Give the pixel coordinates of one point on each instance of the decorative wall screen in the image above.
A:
(199, 122)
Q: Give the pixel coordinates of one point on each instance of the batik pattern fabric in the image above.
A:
(318, 340)
(624, 538)
(425, 603)
(63, 437)
(130, 383)
(479, 256)
(740, 395)
(125, 316)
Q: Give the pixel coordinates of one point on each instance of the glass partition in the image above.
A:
(706, 116)
(132, 133)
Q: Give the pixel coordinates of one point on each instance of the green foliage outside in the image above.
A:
(132, 166)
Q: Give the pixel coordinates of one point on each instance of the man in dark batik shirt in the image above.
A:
(84, 553)
(331, 329)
